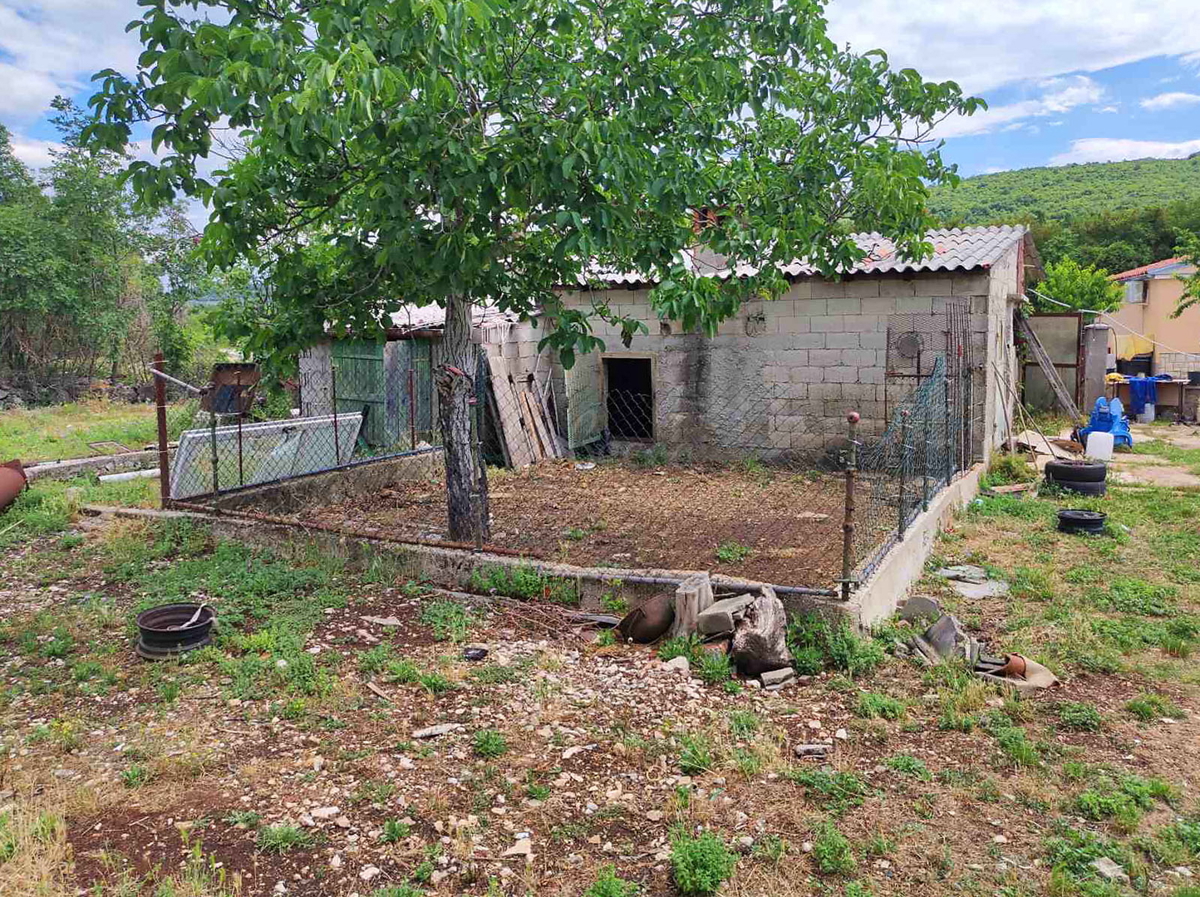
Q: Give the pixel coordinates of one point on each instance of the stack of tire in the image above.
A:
(1081, 476)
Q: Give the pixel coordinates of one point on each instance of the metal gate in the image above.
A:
(915, 343)
(1062, 337)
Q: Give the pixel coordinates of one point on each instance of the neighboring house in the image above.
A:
(1151, 295)
(780, 375)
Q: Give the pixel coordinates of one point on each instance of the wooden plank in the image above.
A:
(1048, 369)
(491, 399)
(511, 429)
(539, 424)
(556, 441)
(531, 418)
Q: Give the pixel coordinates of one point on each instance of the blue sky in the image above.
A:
(1066, 80)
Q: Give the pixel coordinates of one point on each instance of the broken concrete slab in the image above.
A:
(719, 617)
(963, 573)
(777, 678)
(760, 636)
(679, 665)
(920, 607)
(977, 591)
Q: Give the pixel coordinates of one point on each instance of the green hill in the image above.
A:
(1068, 191)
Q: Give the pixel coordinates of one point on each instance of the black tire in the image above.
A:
(1082, 488)
(1075, 521)
(1077, 471)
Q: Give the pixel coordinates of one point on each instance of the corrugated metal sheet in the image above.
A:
(954, 249)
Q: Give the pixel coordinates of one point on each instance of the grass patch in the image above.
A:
(872, 705)
(732, 553)
(697, 754)
(831, 851)
(908, 765)
(489, 744)
(449, 620)
(743, 723)
(283, 838)
(609, 884)
(1149, 707)
(834, 791)
(715, 667)
(810, 636)
(1078, 716)
(524, 581)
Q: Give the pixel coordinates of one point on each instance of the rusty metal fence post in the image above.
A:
(901, 516)
(852, 419)
(212, 438)
(164, 466)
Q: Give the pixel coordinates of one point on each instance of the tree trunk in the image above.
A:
(466, 481)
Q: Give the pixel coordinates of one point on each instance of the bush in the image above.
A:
(715, 667)
(607, 884)
(839, 647)
(700, 864)
(1006, 469)
(524, 581)
(831, 851)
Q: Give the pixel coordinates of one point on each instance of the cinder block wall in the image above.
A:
(815, 353)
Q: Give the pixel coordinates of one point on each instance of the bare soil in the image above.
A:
(617, 514)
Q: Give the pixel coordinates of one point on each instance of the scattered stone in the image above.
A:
(977, 591)
(1110, 870)
(342, 822)
(335, 862)
(963, 573)
(523, 848)
(655, 815)
(817, 751)
(999, 839)
(841, 734)
(383, 621)
(369, 872)
(436, 731)
(325, 812)
(745, 842)
(679, 665)
(778, 678)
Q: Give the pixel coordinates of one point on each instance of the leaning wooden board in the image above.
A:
(512, 425)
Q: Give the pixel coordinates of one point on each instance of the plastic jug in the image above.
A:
(1100, 446)
(1147, 415)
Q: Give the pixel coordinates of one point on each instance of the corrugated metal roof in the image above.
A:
(954, 249)
(409, 318)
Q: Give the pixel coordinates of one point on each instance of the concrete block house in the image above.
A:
(779, 377)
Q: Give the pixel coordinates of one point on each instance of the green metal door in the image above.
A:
(361, 386)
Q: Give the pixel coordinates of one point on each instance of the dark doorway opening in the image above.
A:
(630, 398)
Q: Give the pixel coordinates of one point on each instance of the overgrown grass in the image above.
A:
(700, 864)
(814, 639)
(524, 581)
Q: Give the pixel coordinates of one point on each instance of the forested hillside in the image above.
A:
(1068, 191)
(1115, 215)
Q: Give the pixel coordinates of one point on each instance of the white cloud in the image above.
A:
(1169, 101)
(1108, 109)
(33, 152)
(1115, 149)
(1060, 95)
(984, 45)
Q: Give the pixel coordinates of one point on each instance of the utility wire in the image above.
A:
(1104, 314)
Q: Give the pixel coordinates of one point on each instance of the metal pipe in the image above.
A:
(848, 520)
(216, 458)
(163, 375)
(241, 468)
(925, 463)
(160, 402)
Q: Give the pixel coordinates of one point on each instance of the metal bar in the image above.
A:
(901, 516)
(925, 461)
(163, 375)
(337, 442)
(848, 519)
(160, 402)
(241, 468)
(412, 404)
(216, 461)
(949, 435)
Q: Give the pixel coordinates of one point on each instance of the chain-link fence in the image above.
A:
(768, 481)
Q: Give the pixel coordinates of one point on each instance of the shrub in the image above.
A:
(696, 755)
(808, 661)
(1006, 469)
(908, 765)
(607, 884)
(489, 744)
(1149, 707)
(872, 705)
(732, 552)
(1079, 716)
(838, 646)
(375, 659)
(700, 864)
(135, 776)
(282, 838)
(831, 851)
(449, 620)
(715, 667)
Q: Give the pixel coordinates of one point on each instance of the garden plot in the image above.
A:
(750, 520)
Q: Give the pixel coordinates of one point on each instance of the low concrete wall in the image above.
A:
(77, 467)
(331, 486)
(903, 565)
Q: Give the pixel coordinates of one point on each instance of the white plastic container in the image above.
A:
(1100, 446)
(1147, 415)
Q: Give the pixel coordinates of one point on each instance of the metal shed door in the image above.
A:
(587, 415)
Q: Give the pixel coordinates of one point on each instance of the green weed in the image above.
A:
(700, 864)
(831, 851)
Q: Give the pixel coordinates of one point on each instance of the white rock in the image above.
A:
(369, 872)
(523, 848)
(325, 812)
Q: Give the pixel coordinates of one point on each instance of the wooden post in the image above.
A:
(164, 466)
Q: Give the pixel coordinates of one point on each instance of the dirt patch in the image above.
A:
(1143, 471)
(616, 514)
